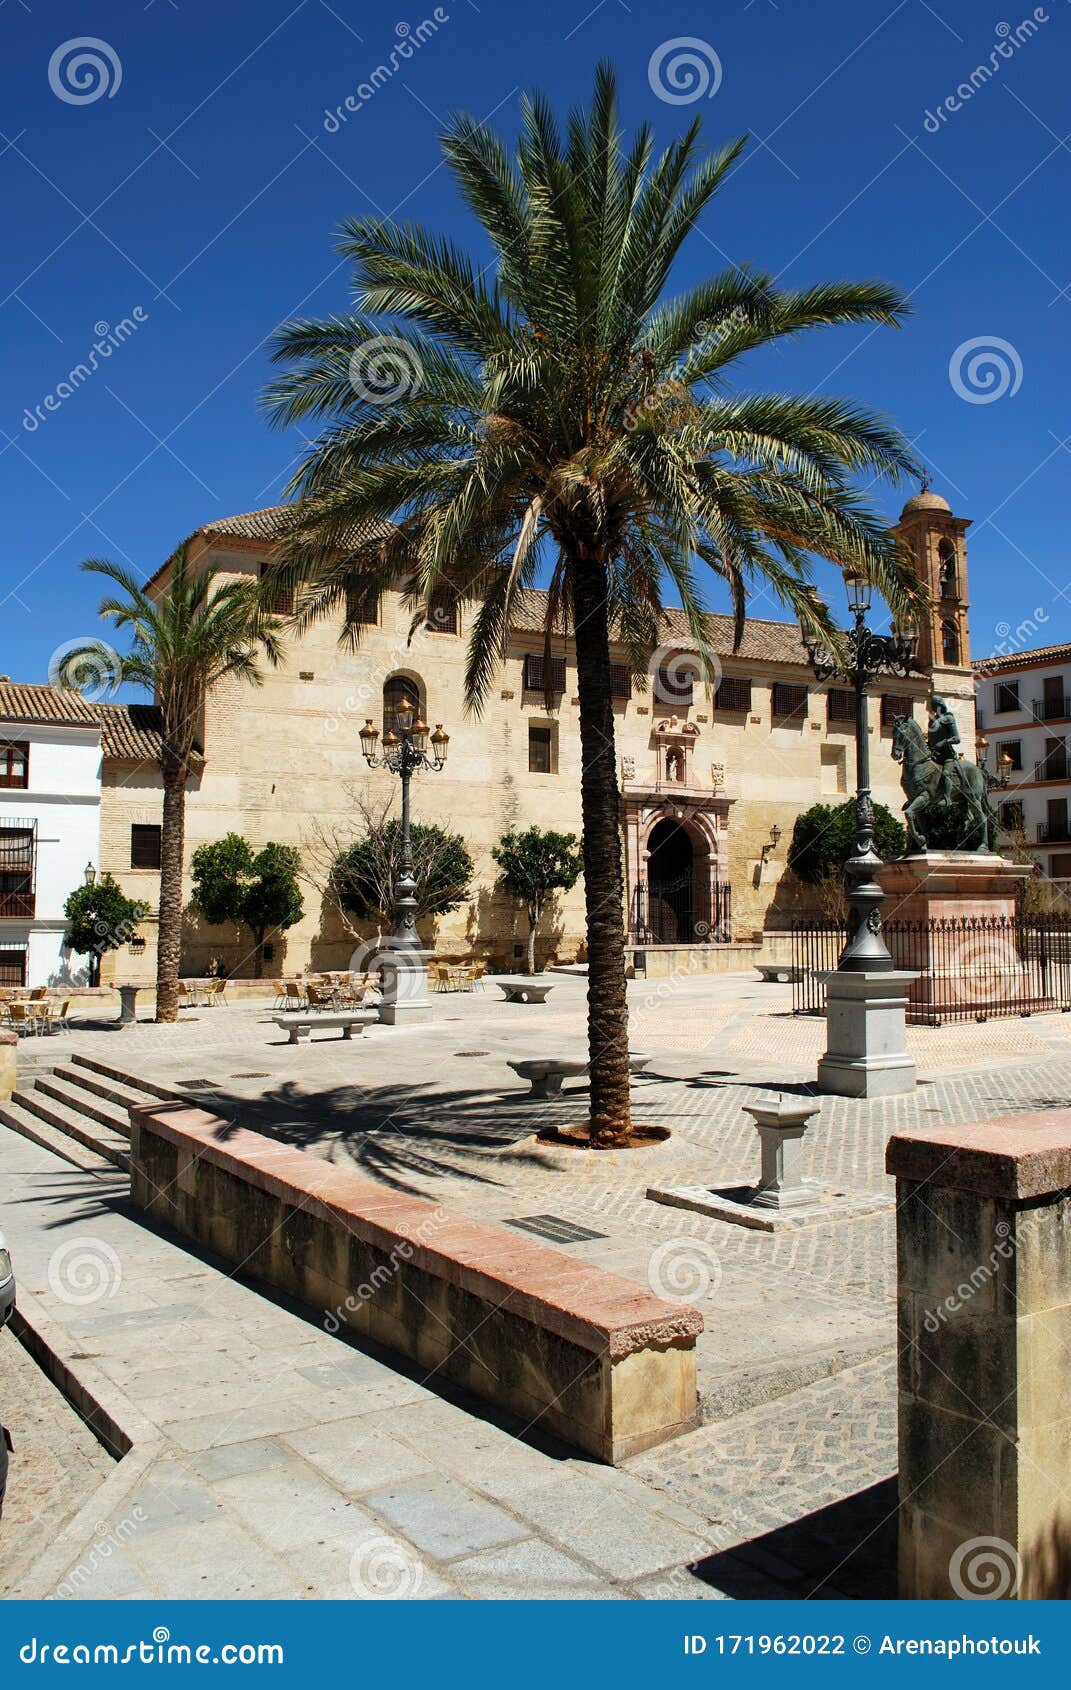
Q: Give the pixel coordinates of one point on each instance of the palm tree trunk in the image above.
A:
(603, 881)
(169, 937)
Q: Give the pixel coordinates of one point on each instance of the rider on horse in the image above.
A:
(943, 738)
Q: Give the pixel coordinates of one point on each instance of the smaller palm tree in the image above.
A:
(191, 634)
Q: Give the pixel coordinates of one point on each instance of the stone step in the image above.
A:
(115, 1092)
(84, 1101)
(38, 1131)
(92, 1135)
(109, 1072)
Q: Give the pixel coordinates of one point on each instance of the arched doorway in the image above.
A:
(671, 884)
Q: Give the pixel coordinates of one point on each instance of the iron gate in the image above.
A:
(678, 912)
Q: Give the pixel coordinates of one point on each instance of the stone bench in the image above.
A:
(784, 972)
(591, 1356)
(523, 990)
(348, 1019)
(546, 1073)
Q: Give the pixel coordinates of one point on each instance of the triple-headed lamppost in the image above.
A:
(862, 658)
(402, 756)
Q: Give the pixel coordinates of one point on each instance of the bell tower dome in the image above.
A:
(938, 543)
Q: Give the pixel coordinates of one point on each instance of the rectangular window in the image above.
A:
(13, 967)
(789, 701)
(144, 846)
(362, 607)
(1006, 697)
(841, 705)
(894, 704)
(18, 857)
(734, 693)
(620, 680)
(1013, 749)
(541, 759)
(278, 596)
(675, 682)
(442, 613)
(1011, 815)
(534, 673)
(15, 763)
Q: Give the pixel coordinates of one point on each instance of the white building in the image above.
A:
(1024, 726)
(50, 776)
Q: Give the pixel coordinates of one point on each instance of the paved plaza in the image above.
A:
(272, 1458)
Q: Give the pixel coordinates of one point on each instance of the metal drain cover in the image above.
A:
(472, 1053)
(250, 1076)
(556, 1229)
(194, 1083)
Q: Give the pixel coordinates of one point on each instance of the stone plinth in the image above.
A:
(984, 1271)
(866, 1034)
(404, 994)
(973, 965)
(9, 1044)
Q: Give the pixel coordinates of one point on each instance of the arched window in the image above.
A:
(399, 689)
(949, 642)
(946, 575)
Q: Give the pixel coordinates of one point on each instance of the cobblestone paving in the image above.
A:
(56, 1465)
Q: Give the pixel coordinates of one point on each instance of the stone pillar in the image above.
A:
(866, 1035)
(9, 1044)
(984, 1270)
(404, 990)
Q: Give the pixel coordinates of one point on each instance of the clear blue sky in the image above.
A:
(204, 189)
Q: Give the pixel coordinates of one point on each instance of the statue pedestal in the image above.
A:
(866, 1040)
(404, 992)
(950, 915)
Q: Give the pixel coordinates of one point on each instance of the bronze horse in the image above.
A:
(920, 777)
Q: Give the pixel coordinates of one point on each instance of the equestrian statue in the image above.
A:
(932, 771)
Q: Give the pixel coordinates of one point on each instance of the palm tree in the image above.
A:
(553, 406)
(183, 640)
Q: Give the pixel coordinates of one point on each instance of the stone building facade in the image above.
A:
(710, 774)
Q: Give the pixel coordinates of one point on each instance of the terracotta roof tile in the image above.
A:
(1041, 655)
(763, 642)
(128, 731)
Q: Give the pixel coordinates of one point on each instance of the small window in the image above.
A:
(620, 680)
(1013, 749)
(15, 763)
(137, 944)
(541, 759)
(734, 693)
(278, 596)
(362, 608)
(949, 642)
(13, 967)
(789, 701)
(442, 613)
(399, 690)
(17, 870)
(841, 705)
(675, 681)
(534, 673)
(1006, 700)
(1011, 816)
(894, 704)
(946, 553)
(144, 845)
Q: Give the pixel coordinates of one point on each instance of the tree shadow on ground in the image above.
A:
(845, 1550)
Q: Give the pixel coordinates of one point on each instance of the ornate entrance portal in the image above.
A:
(675, 832)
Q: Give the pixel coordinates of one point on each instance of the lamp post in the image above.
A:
(403, 755)
(863, 657)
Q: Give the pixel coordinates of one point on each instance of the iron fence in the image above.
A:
(969, 969)
(681, 912)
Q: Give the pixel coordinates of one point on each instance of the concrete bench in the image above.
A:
(347, 1019)
(546, 1073)
(596, 1358)
(522, 990)
(780, 971)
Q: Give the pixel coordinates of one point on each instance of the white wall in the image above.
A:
(63, 797)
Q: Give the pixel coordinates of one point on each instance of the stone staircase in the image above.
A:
(78, 1110)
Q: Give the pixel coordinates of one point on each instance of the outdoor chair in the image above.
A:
(216, 994)
(38, 993)
(21, 1019)
(294, 994)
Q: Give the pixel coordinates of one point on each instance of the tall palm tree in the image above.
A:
(184, 639)
(553, 406)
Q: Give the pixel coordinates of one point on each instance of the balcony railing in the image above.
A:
(1053, 768)
(19, 906)
(1052, 709)
(1054, 833)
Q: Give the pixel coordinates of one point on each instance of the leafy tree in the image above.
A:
(187, 634)
(258, 891)
(100, 918)
(824, 838)
(553, 406)
(534, 864)
(365, 874)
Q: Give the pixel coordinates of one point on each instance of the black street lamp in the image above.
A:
(860, 660)
(402, 756)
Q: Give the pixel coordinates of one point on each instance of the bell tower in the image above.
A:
(938, 543)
